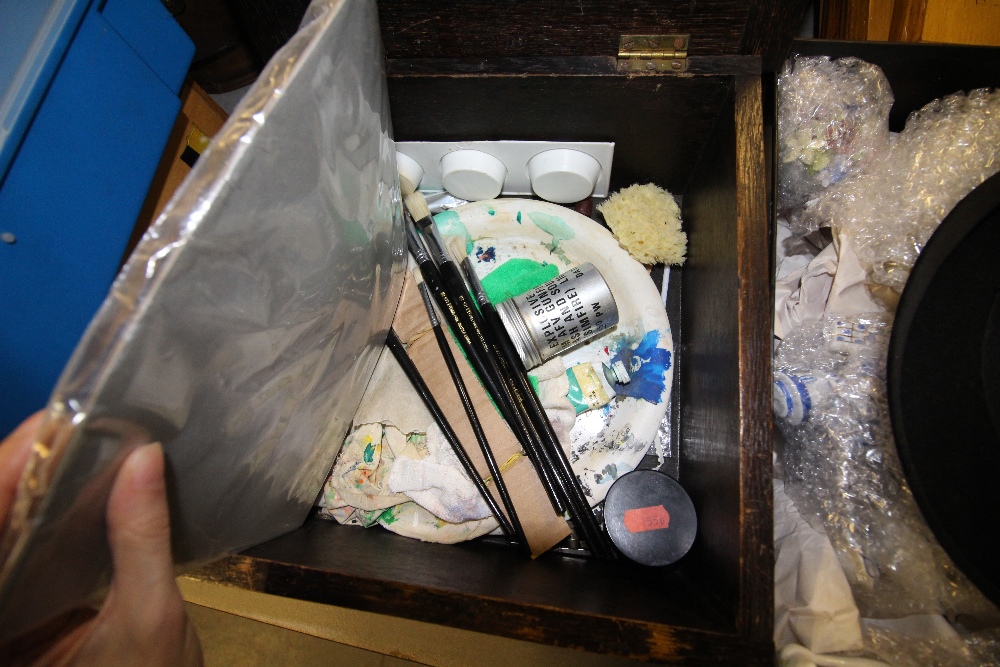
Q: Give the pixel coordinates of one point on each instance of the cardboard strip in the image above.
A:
(542, 526)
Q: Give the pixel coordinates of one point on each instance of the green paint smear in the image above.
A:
(534, 382)
(449, 223)
(354, 233)
(550, 224)
(370, 452)
(575, 393)
(491, 211)
(515, 277)
(518, 217)
(387, 517)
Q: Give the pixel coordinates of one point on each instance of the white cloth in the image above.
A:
(849, 294)
(438, 482)
(831, 283)
(802, 294)
(553, 386)
(391, 399)
(813, 603)
(386, 463)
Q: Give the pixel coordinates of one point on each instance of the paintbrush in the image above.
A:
(541, 443)
(455, 307)
(399, 351)
(459, 325)
(591, 531)
(470, 411)
(540, 440)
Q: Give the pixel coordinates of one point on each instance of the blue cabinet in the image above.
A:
(90, 94)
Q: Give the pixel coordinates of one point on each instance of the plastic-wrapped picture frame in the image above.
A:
(240, 334)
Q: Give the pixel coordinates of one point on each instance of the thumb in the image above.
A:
(143, 620)
(139, 531)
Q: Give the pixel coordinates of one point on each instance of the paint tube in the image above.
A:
(591, 388)
(793, 396)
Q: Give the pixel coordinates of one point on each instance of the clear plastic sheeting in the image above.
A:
(879, 196)
(841, 467)
(241, 333)
(846, 470)
(833, 118)
(920, 646)
(946, 149)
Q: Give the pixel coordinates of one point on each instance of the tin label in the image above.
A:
(569, 309)
(647, 518)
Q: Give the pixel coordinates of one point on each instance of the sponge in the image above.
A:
(647, 223)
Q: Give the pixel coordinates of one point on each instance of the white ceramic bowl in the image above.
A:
(473, 175)
(563, 175)
(410, 173)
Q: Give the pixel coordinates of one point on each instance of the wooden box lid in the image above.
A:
(412, 29)
(547, 28)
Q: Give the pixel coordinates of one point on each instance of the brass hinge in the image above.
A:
(653, 53)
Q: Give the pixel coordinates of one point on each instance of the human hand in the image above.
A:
(143, 620)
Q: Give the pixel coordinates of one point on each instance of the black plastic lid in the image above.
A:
(650, 517)
(944, 384)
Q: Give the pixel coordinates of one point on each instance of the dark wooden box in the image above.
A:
(549, 71)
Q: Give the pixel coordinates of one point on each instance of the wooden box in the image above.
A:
(551, 71)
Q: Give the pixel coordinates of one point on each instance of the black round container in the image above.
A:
(944, 384)
(650, 517)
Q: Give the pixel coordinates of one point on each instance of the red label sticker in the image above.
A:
(647, 518)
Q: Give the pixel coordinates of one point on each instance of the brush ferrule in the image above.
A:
(413, 243)
(474, 282)
(435, 243)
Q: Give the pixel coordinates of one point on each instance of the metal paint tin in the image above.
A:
(568, 310)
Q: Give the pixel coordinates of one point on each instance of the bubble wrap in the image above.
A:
(833, 117)
(842, 169)
(947, 149)
(842, 467)
(973, 649)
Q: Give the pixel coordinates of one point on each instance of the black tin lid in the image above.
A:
(943, 380)
(650, 517)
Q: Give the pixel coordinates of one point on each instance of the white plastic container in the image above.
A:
(473, 175)
(563, 175)
(410, 173)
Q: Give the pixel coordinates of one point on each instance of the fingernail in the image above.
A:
(146, 466)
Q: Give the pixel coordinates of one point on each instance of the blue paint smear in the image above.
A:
(487, 255)
(609, 474)
(647, 364)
